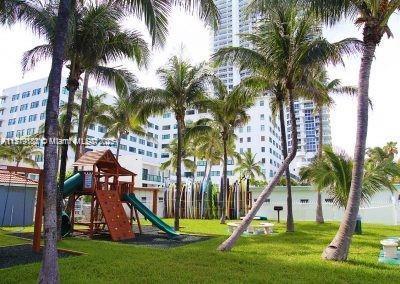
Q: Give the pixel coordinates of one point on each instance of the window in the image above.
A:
(262, 138)
(32, 117)
(230, 162)
(215, 173)
(132, 149)
(201, 174)
(38, 158)
(201, 163)
(92, 126)
(10, 134)
(262, 103)
(190, 112)
(142, 141)
(240, 140)
(23, 107)
(248, 128)
(132, 138)
(20, 133)
(34, 104)
(166, 127)
(263, 160)
(248, 139)
(13, 109)
(42, 115)
(155, 155)
(30, 131)
(36, 92)
(44, 102)
(166, 136)
(229, 173)
(45, 89)
(149, 154)
(262, 117)
(262, 127)
(164, 155)
(167, 115)
(22, 119)
(141, 151)
(64, 91)
(11, 121)
(241, 130)
(102, 129)
(25, 95)
(263, 149)
(124, 136)
(149, 144)
(122, 147)
(15, 97)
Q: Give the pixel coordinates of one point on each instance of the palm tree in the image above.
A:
(95, 112)
(184, 86)
(248, 167)
(373, 16)
(122, 118)
(319, 91)
(287, 41)
(95, 38)
(228, 111)
(332, 173)
(155, 17)
(20, 152)
(172, 162)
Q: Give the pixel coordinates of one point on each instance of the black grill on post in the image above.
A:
(278, 209)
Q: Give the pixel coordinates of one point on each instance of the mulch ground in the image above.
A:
(151, 236)
(22, 254)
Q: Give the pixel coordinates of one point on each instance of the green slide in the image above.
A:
(146, 212)
(71, 185)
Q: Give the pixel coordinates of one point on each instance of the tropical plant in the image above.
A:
(228, 110)
(184, 86)
(122, 118)
(20, 152)
(248, 167)
(288, 41)
(319, 91)
(172, 162)
(332, 173)
(95, 38)
(373, 16)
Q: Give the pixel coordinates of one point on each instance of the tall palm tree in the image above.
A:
(184, 86)
(172, 162)
(319, 91)
(288, 41)
(95, 38)
(122, 118)
(332, 173)
(20, 152)
(228, 111)
(373, 16)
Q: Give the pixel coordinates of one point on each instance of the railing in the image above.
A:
(154, 178)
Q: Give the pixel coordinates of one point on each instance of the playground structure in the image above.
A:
(199, 200)
(108, 186)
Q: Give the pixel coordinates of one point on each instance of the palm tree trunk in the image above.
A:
(229, 243)
(49, 270)
(177, 210)
(80, 145)
(319, 214)
(118, 145)
(289, 201)
(224, 188)
(339, 247)
(72, 86)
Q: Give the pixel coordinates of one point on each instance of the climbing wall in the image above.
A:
(114, 213)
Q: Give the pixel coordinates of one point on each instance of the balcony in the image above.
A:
(153, 178)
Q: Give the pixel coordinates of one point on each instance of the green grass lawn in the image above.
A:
(282, 257)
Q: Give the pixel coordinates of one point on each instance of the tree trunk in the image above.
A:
(229, 243)
(80, 145)
(224, 187)
(177, 210)
(49, 270)
(289, 219)
(339, 247)
(118, 145)
(72, 86)
(319, 214)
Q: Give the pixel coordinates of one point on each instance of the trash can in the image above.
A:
(358, 229)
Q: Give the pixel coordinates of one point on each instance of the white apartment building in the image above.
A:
(22, 113)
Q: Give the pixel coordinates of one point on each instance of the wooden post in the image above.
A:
(38, 215)
(155, 201)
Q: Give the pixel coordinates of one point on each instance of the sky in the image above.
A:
(190, 38)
